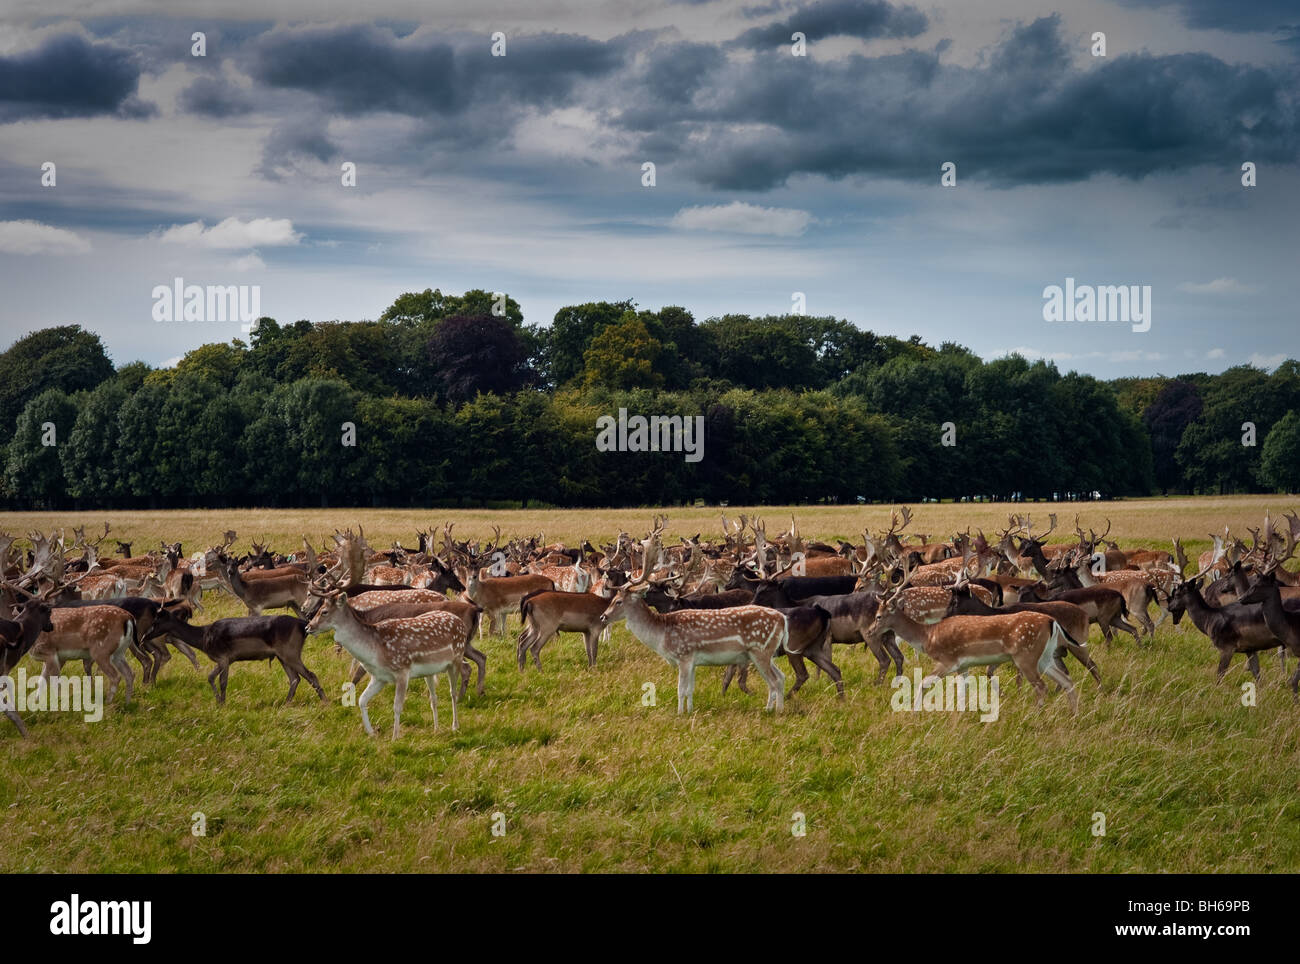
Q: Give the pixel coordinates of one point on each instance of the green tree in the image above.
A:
(623, 356)
(67, 358)
(88, 457)
(33, 470)
(1280, 458)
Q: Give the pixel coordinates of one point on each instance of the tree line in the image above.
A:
(453, 400)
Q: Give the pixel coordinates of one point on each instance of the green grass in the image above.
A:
(589, 779)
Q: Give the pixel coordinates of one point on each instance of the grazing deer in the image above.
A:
(1027, 639)
(17, 636)
(706, 637)
(240, 639)
(396, 650)
(100, 633)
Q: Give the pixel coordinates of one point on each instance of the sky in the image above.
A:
(774, 173)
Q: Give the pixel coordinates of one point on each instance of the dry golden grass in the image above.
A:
(589, 778)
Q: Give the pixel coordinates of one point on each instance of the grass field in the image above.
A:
(590, 779)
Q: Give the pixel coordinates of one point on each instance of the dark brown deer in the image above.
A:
(17, 636)
(241, 639)
(1234, 628)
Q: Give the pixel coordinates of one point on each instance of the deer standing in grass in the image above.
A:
(99, 633)
(706, 637)
(17, 636)
(959, 643)
(395, 651)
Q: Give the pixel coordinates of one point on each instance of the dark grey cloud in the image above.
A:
(214, 96)
(1235, 16)
(68, 76)
(1028, 115)
(865, 19)
(360, 69)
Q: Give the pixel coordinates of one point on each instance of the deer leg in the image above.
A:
(891, 647)
(224, 678)
(822, 659)
(773, 676)
(292, 673)
(1295, 685)
(185, 651)
(105, 662)
(212, 681)
(1062, 679)
(9, 700)
(358, 671)
(144, 658)
(727, 676)
(300, 668)
(455, 724)
(878, 651)
(590, 637)
(1025, 663)
(521, 648)
(1252, 664)
(373, 687)
(399, 699)
(480, 660)
(1225, 658)
(800, 673)
(118, 660)
(685, 684)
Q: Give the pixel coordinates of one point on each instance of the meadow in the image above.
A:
(583, 776)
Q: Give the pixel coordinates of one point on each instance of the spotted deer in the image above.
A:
(706, 637)
(395, 651)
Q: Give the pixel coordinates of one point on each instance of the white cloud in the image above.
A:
(1215, 353)
(741, 218)
(249, 262)
(1267, 362)
(171, 362)
(33, 237)
(1219, 286)
(233, 234)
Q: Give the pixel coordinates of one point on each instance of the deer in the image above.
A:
(1029, 640)
(375, 606)
(269, 592)
(240, 639)
(546, 613)
(396, 650)
(100, 633)
(497, 596)
(809, 636)
(17, 636)
(1072, 619)
(1234, 628)
(1282, 621)
(152, 653)
(709, 637)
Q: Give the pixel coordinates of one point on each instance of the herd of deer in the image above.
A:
(965, 603)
